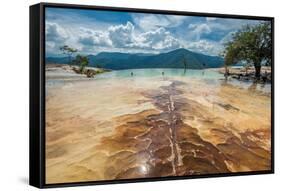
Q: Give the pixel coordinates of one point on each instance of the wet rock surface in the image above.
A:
(178, 137)
(162, 144)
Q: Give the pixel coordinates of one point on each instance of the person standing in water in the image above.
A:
(163, 73)
(132, 73)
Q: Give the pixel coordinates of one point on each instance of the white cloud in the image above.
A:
(129, 38)
(196, 30)
(56, 36)
(94, 38)
(55, 33)
(227, 37)
(122, 35)
(142, 33)
(153, 21)
(205, 47)
(224, 24)
(159, 39)
(125, 36)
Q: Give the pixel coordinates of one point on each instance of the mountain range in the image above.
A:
(174, 59)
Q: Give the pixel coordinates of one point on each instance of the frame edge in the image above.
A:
(35, 140)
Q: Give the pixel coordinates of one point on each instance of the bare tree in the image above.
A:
(68, 51)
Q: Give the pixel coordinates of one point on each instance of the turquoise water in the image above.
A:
(138, 74)
(208, 75)
(205, 74)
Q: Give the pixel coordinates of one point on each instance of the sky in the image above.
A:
(95, 31)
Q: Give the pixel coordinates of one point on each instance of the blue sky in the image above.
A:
(92, 31)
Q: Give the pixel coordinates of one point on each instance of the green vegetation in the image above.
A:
(81, 61)
(251, 44)
(172, 59)
(68, 51)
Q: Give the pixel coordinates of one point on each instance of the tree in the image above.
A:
(185, 64)
(203, 65)
(68, 51)
(226, 63)
(82, 61)
(252, 44)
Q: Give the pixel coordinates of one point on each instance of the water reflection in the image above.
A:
(144, 169)
(158, 72)
(250, 85)
(253, 87)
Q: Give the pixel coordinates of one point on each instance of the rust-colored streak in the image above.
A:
(161, 144)
(177, 136)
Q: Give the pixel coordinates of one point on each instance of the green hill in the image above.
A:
(173, 59)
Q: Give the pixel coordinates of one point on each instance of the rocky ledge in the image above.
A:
(248, 74)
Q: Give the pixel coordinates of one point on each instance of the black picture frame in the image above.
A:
(37, 95)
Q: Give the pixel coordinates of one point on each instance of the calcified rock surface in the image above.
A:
(129, 128)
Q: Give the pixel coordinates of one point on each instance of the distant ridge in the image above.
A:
(172, 59)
